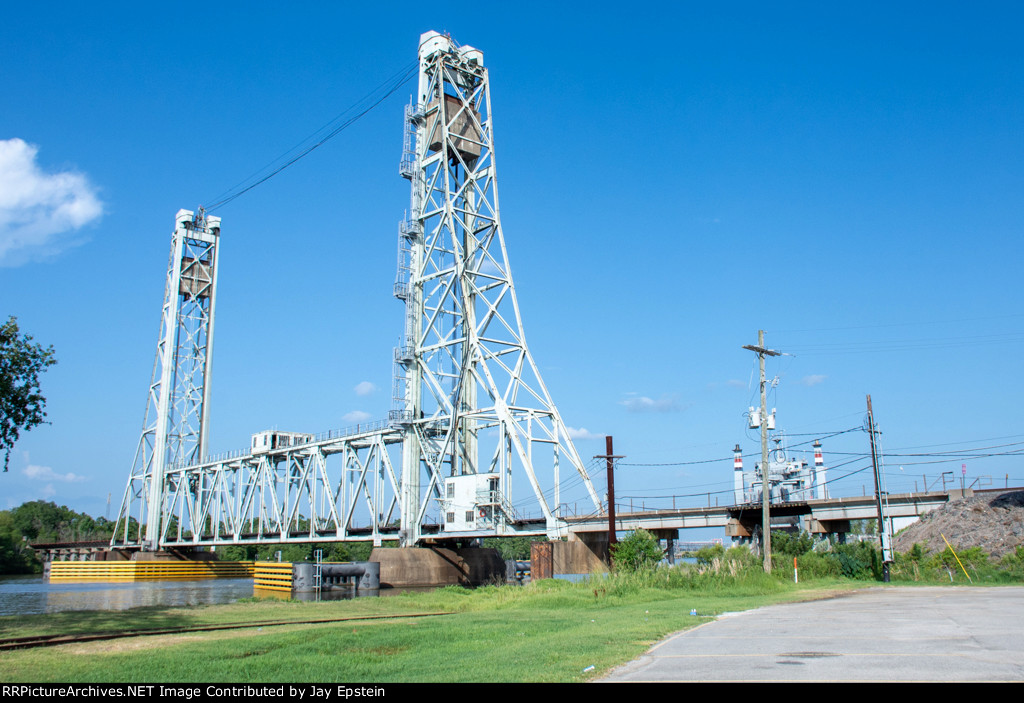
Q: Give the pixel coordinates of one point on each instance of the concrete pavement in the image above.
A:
(899, 633)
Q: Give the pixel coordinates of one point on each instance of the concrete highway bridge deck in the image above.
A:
(830, 515)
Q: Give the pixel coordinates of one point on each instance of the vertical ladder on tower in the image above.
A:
(407, 167)
(318, 572)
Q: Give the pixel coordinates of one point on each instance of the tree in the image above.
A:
(637, 551)
(789, 545)
(22, 406)
(513, 547)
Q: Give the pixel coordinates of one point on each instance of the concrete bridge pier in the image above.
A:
(822, 529)
(408, 567)
(670, 536)
(595, 542)
(741, 531)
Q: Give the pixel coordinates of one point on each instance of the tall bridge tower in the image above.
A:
(175, 426)
(470, 401)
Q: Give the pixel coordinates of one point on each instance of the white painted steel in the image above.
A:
(175, 424)
(469, 397)
(472, 400)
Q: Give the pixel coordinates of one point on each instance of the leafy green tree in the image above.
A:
(43, 521)
(22, 406)
(859, 560)
(789, 545)
(1013, 563)
(637, 551)
(706, 555)
(867, 526)
(15, 556)
(512, 547)
(233, 552)
(347, 551)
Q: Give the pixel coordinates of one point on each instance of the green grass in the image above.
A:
(547, 631)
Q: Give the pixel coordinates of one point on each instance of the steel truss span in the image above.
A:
(474, 441)
(327, 489)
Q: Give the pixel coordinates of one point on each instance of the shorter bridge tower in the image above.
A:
(175, 425)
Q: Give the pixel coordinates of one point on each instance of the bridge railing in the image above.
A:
(350, 431)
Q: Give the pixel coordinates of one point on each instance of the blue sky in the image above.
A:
(672, 178)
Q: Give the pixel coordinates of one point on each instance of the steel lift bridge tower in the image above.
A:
(472, 414)
(175, 427)
(473, 406)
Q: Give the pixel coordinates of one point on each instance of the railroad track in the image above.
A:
(54, 640)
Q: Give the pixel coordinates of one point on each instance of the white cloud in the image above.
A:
(45, 473)
(356, 416)
(39, 210)
(736, 383)
(582, 433)
(643, 404)
(364, 388)
(813, 379)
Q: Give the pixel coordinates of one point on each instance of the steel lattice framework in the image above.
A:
(175, 425)
(470, 402)
(291, 494)
(472, 399)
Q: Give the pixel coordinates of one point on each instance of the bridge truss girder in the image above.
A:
(343, 488)
(287, 495)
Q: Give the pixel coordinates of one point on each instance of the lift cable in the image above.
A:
(390, 86)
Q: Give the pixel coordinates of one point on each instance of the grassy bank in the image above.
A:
(547, 631)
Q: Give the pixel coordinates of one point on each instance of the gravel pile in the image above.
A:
(996, 524)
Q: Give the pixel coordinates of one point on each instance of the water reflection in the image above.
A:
(29, 595)
(26, 595)
(329, 594)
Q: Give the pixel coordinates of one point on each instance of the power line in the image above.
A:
(946, 444)
(953, 460)
(824, 435)
(391, 85)
(730, 490)
(879, 346)
(902, 324)
(966, 451)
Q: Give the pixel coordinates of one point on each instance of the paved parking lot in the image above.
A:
(880, 634)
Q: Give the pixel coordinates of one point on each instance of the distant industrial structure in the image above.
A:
(789, 479)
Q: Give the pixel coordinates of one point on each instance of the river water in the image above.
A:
(26, 595)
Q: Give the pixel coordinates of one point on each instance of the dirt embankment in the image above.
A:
(996, 524)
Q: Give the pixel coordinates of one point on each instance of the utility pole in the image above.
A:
(885, 538)
(609, 457)
(766, 525)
